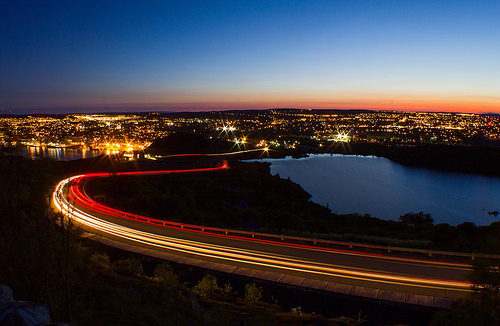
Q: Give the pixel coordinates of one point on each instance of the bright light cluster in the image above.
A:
(342, 137)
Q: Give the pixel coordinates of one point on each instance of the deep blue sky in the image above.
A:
(70, 56)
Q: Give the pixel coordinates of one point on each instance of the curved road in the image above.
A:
(362, 270)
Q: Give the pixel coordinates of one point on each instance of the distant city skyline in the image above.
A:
(71, 57)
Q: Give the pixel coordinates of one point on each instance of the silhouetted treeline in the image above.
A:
(465, 159)
(184, 143)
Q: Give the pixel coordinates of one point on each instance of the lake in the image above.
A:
(387, 190)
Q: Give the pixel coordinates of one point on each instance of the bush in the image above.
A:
(129, 266)
(100, 261)
(253, 292)
(207, 286)
(165, 274)
(227, 291)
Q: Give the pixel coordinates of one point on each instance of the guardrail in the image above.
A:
(311, 241)
(291, 239)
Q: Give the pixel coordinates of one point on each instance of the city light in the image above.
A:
(341, 137)
(286, 129)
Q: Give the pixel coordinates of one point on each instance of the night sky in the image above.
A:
(96, 56)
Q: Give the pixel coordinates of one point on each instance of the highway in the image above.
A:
(369, 271)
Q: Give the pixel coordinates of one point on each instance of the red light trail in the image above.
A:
(410, 275)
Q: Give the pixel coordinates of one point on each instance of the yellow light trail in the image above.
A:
(259, 260)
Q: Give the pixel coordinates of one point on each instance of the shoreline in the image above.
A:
(462, 159)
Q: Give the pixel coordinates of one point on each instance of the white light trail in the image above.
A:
(231, 254)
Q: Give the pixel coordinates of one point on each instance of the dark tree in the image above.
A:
(482, 307)
(413, 219)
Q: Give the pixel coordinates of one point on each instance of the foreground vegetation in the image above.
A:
(87, 284)
(48, 263)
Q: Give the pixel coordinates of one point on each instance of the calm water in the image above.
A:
(382, 188)
(60, 154)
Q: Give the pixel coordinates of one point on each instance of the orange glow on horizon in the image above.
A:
(214, 102)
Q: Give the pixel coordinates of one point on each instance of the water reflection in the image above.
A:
(60, 154)
(382, 188)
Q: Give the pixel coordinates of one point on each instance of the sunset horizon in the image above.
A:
(391, 105)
